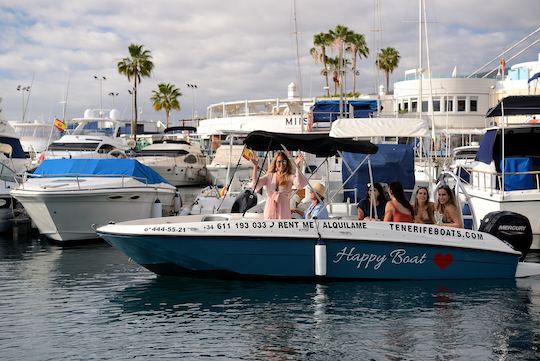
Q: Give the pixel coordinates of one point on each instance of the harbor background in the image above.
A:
(90, 302)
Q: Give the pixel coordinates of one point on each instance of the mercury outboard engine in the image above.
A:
(513, 228)
(246, 200)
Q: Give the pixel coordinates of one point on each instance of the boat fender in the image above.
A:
(513, 228)
(177, 202)
(320, 259)
(157, 209)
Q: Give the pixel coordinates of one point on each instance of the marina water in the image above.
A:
(90, 302)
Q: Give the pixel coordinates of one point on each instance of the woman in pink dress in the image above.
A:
(279, 182)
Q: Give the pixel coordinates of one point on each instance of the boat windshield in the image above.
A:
(6, 173)
(75, 147)
(95, 127)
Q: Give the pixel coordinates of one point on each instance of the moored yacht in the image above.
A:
(66, 198)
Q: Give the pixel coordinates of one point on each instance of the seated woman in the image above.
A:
(372, 210)
(446, 213)
(423, 208)
(398, 209)
(278, 181)
(316, 209)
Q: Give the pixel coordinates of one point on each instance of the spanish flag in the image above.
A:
(247, 153)
(60, 125)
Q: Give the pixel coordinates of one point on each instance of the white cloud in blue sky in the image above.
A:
(231, 49)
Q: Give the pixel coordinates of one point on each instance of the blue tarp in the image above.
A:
(392, 163)
(485, 151)
(514, 182)
(328, 110)
(82, 167)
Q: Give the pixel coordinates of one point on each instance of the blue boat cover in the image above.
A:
(328, 110)
(82, 167)
(514, 182)
(16, 147)
(392, 163)
(485, 151)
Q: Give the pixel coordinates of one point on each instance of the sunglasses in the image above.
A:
(281, 162)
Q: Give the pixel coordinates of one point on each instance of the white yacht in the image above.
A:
(66, 198)
(505, 175)
(95, 135)
(34, 136)
(175, 159)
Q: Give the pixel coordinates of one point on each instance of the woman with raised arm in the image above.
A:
(447, 213)
(278, 181)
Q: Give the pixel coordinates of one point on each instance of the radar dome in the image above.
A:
(88, 113)
(114, 114)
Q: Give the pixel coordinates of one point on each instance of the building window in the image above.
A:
(473, 105)
(414, 105)
(406, 107)
(448, 104)
(461, 102)
(436, 104)
(425, 105)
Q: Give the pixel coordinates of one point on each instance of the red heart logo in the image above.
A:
(443, 260)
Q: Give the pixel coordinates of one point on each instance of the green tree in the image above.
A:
(166, 98)
(341, 36)
(358, 48)
(387, 61)
(318, 52)
(136, 66)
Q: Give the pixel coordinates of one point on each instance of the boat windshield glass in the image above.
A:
(73, 146)
(6, 173)
(97, 127)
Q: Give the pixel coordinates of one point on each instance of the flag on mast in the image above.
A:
(60, 125)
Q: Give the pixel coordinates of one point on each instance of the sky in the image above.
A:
(232, 50)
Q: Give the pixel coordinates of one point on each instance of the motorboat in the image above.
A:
(96, 135)
(34, 136)
(177, 160)
(67, 197)
(505, 175)
(245, 245)
(228, 162)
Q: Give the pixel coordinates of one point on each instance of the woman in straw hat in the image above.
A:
(316, 209)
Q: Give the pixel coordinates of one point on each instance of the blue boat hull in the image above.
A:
(249, 256)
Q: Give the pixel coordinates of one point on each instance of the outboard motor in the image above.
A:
(513, 228)
(246, 200)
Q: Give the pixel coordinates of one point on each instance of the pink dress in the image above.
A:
(278, 201)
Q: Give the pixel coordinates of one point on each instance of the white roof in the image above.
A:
(379, 127)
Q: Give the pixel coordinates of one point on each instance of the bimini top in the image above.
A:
(516, 105)
(97, 167)
(315, 143)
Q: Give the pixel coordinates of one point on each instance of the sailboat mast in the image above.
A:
(298, 69)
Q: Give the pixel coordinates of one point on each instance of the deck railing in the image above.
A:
(78, 179)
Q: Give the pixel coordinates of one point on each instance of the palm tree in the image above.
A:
(137, 66)
(341, 36)
(332, 64)
(318, 52)
(166, 98)
(358, 48)
(387, 61)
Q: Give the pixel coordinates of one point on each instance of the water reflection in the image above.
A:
(91, 300)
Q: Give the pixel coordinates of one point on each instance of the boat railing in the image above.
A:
(80, 179)
(491, 181)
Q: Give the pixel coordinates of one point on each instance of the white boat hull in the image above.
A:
(72, 216)
(178, 175)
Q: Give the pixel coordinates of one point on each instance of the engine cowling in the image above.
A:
(513, 228)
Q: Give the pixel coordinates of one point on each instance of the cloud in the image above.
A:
(232, 50)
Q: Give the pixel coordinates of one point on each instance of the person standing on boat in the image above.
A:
(316, 209)
(373, 205)
(279, 182)
(446, 213)
(398, 209)
(423, 209)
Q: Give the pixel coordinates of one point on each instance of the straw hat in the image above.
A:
(320, 189)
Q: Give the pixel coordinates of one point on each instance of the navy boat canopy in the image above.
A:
(16, 147)
(315, 143)
(328, 110)
(97, 167)
(516, 105)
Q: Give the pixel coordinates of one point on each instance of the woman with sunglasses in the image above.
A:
(423, 208)
(278, 181)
